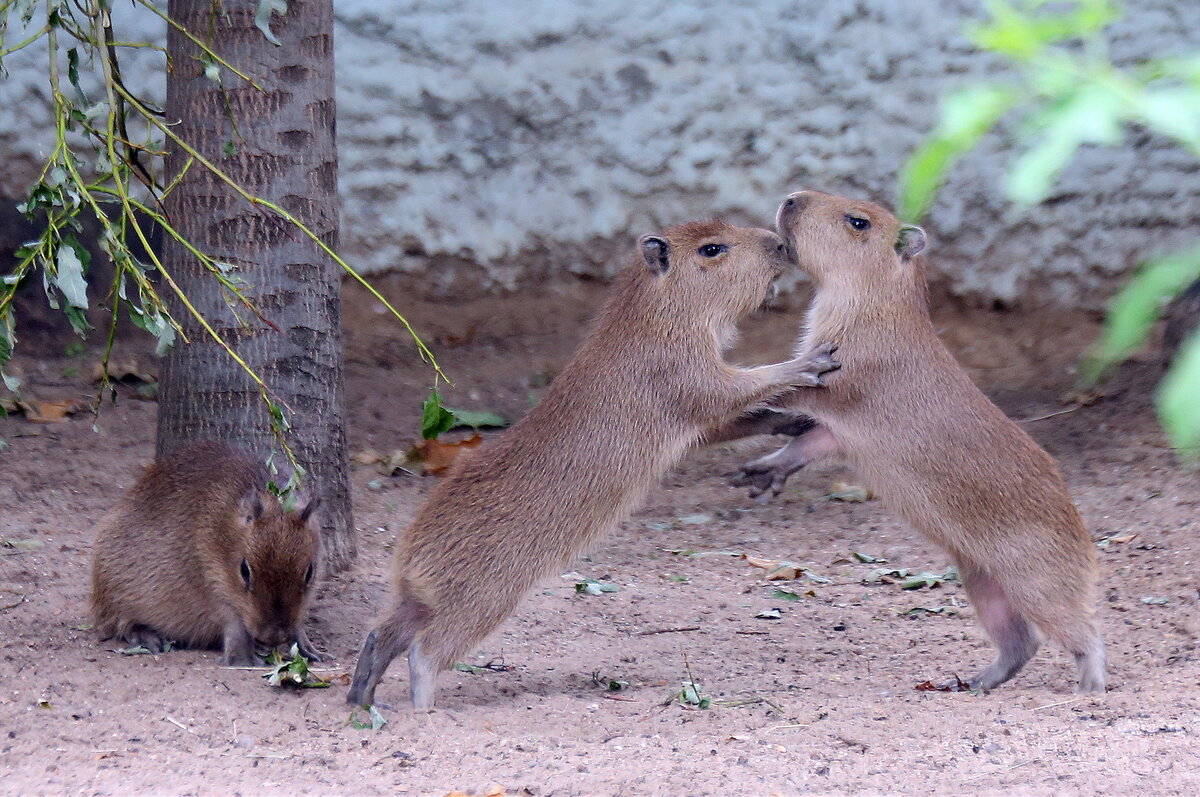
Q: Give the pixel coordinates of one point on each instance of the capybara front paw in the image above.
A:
(148, 638)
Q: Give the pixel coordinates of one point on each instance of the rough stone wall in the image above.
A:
(495, 144)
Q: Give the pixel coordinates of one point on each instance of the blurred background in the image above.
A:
(485, 147)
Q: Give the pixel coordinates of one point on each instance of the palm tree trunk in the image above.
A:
(278, 143)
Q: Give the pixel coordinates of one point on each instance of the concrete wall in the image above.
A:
(489, 144)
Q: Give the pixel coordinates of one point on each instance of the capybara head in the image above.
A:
(278, 568)
(837, 240)
(714, 268)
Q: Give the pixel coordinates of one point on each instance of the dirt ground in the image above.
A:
(821, 700)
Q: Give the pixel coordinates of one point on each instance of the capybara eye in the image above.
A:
(712, 250)
(858, 223)
(246, 573)
(308, 574)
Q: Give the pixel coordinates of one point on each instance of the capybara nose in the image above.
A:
(791, 206)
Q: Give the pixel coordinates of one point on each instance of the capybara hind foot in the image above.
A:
(772, 471)
(1091, 664)
(146, 637)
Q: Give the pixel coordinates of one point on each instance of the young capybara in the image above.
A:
(645, 383)
(198, 552)
(930, 444)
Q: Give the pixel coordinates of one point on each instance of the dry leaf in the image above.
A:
(776, 571)
(51, 411)
(454, 341)
(1084, 398)
(124, 369)
(435, 456)
(849, 493)
(959, 685)
(368, 456)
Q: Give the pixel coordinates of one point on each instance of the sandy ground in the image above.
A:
(818, 701)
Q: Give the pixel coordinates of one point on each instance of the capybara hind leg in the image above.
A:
(146, 637)
(1013, 634)
(391, 638)
(422, 674)
(770, 473)
(367, 672)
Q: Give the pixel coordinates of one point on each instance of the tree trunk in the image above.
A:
(279, 144)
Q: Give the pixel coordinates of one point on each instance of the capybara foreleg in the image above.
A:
(306, 649)
(422, 673)
(146, 637)
(239, 646)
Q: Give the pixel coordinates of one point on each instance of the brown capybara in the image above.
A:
(645, 383)
(198, 552)
(930, 444)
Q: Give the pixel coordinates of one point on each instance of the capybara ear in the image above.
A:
(656, 252)
(910, 241)
(309, 508)
(251, 506)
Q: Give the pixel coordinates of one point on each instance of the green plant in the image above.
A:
(105, 164)
(1065, 92)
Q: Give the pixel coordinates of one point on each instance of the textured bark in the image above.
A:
(278, 143)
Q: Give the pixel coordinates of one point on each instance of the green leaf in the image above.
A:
(1174, 112)
(867, 559)
(69, 276)
(1134, 310)
(1091, 115)
(262, 19)
(476, 419)
(590, 586)
(435, 418)
(1178, 400)
(966, 115)
(374, 721)
(787, 595)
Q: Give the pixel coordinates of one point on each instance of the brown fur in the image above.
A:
(167, 560)
(936, 450)
(645, 382)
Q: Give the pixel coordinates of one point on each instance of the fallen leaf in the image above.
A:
(368, 456)
(769, 614)
(867, 559)
(589, 586)
(44, 411)
(695, 520)
(435, 457)
(124, 370)
(959, 685)
(922, 610)
(22, 546)
(477, 419)
(782, 570)
(848, 493)
(451, 341)
(1084, 398)
(787, 595)
(1116, 539)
